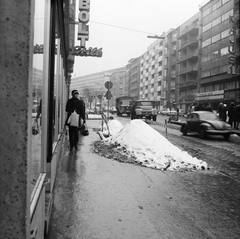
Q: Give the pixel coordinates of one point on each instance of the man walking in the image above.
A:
(75, 104)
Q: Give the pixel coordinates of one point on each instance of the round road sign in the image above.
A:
(108, 85)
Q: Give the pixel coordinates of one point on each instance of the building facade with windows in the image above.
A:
(217, 83)
(188, 59)
(153, 73)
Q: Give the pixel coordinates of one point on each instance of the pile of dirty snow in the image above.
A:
(113, 125)
(149, 148)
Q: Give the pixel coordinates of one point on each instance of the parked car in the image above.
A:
(181, 112)
(206, 123)
(168, 112)
(113, 110)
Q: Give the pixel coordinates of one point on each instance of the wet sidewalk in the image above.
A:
(99, 198)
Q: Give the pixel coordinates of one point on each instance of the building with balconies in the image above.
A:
(171, 76)
(134, 77)
(188, 58)
(218, 82)
(153, 72)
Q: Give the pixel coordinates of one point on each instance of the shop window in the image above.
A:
(37, 90)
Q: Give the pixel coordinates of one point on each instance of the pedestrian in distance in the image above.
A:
(220, 110)
(231, 115)
(77, 105)
(237, 125)
(209, 108)
(224, 113)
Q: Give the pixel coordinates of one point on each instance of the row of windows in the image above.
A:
(223, 86)
(216, 38)
(214, 7)
(214, 71)
(215, 54)
(217, 21)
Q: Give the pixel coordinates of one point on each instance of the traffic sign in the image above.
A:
(108, 95)
(108, 85)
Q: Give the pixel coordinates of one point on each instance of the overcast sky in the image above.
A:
(121, 28)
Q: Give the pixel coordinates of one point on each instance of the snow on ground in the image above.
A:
(113, 125)
(149, 148)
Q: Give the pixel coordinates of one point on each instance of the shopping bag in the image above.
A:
(84, 130)
(35, 128)
(73, 120)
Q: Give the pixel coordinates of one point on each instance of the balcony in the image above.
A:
(189, 42)
(190, 28)
(189, 84)
(189, 69)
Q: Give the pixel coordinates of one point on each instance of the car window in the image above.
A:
(195, 117)
(144, 103)
(208, 116)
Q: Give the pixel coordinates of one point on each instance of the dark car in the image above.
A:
(206, 123)
(144, 109)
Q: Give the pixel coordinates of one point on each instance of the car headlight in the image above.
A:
(227, 126)
(209, 127)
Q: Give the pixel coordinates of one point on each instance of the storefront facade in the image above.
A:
(35, 78)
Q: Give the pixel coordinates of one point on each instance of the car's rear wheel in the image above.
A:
(226, 136)
(202, 133)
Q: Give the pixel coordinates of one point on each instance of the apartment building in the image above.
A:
(216, 84)
(171, 68)
(134, 77)
(153, 73)
(187, 59)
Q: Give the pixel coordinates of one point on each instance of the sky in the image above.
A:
(148, 147)
(121, 28)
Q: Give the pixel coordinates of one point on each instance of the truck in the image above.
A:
(123, 105)
(144, 109)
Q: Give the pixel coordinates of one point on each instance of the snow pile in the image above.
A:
(114, 127)
(149, 148)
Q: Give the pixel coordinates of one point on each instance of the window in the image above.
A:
(159, 83)
(216, 38)
(207, 12)
(224, 51)
(225, 33)
(214, 55)
(216, 5)
(225, 1)
(207, 42)
(205, 58)
(207, 27)
(216, 21)
(205, 74)
(226, 15)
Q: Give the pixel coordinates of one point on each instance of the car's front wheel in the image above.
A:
(184, 130)
(202, 133)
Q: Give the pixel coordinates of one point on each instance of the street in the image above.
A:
(98, 197)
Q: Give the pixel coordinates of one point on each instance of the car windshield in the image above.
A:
(145, 103)
(208, 116)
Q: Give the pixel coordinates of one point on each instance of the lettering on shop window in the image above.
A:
(80, 51)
